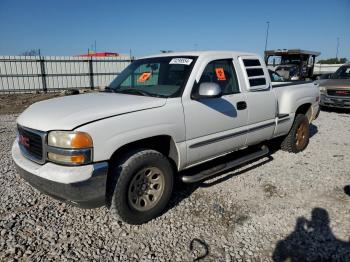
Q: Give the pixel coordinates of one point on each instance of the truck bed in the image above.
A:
(291, 83)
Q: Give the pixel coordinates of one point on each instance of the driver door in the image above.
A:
(215, 126)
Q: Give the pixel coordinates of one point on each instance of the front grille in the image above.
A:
(31, 143)
(331, 92)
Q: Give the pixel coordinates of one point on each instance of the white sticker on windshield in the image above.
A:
(181, 61)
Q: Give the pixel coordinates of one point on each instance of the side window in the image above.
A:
(255, 73)
(223, 73)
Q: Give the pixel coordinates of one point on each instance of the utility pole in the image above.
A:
(267, 33)
(336, 54)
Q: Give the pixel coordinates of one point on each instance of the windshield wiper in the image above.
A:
(108, 89)
(132, 91)
(137, 91)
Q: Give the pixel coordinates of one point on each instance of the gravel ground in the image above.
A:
(295, 206)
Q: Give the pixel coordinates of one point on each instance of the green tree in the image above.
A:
(31, 52)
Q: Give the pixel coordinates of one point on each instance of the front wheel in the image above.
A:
(140, 186)
(298, 136)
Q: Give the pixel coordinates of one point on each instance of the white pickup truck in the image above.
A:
(165, 113)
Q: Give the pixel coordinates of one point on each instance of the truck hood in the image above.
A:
(336, 83)
(66, 113)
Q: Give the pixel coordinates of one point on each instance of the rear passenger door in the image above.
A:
(261, 101)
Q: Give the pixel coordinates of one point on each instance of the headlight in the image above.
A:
(322, 89)
(68, 139)
(68, 147)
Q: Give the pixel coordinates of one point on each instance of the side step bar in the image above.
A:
(223, 167)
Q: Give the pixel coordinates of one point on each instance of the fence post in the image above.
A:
(43, 73)
(91, 74)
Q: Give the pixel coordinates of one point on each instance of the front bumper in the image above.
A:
(335, 101)
(83, 186)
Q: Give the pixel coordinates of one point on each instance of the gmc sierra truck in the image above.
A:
(163, 114)
(335, 92)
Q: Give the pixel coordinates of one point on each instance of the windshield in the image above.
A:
(157, 76)
(343, 72)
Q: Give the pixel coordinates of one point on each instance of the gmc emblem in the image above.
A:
(24, 141)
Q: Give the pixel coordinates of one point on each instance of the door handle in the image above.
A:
(241, 105)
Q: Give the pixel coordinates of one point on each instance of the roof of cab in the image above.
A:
(202, 53)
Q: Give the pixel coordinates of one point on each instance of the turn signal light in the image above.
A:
(76, 159)
(81, 140)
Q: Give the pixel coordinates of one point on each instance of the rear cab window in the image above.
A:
(256, 77)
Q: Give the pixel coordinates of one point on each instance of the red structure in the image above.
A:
(101, 54)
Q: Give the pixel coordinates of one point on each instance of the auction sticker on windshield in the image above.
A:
(145, 76)
(181, 61)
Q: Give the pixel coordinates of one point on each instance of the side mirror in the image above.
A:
(209, 90)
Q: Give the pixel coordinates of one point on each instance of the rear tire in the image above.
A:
(298, 136)
(140, 186)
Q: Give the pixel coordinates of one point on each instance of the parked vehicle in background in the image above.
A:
(292, 64)
(325, 76)
(276, 79)
(324, 71)
(335, 92)
(162, 114)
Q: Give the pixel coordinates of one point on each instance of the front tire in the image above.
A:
(298, 136)
(141, 184)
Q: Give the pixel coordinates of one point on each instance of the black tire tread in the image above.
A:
(288, 143)
(123, 166)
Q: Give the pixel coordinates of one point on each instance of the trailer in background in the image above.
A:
(292, 64)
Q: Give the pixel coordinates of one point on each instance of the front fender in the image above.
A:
(112, 133)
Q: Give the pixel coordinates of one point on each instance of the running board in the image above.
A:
(226, 166)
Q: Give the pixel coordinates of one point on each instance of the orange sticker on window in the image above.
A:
(144, 77)
(220, 74)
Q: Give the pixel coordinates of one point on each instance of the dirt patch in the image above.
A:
(270, 190)
(16, 103)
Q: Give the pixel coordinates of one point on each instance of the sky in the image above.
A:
(71, 27)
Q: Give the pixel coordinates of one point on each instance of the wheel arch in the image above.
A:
(164, 144)
(305, 109)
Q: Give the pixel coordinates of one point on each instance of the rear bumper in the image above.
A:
(332, 101)
(83, 186)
